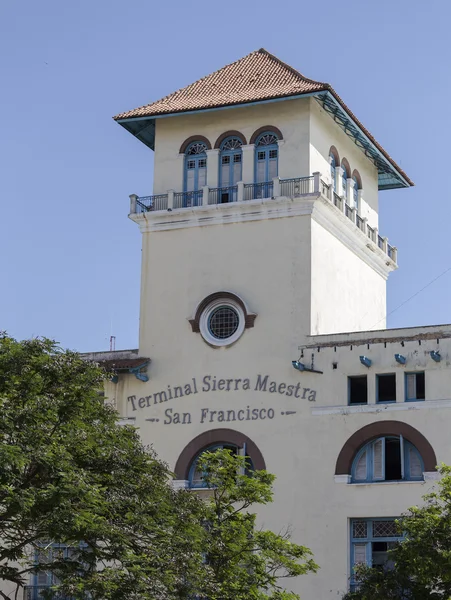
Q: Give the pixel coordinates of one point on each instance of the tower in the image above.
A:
(261, 240)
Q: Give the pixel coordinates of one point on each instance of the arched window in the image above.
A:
(230, 167)
(196, 479)
(266, 159)
(344, 180)
(195, 173)
(390, 458)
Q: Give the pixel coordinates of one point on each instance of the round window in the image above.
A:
(222, 322)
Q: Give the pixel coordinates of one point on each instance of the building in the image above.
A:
(263, 303)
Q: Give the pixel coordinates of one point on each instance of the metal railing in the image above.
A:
(296, 187)
(391, 251)
(146, 203)
(380, 242)
(338, 201)
(371, 233)
(325, 189)
(348, 211)
(35, 592)
(223, 195)
(188, 199)
(257, 191)
(360, 222)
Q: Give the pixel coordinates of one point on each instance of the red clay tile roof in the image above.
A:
(257, 76)
(253, 78)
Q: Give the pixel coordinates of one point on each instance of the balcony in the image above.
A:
(297, 187)
(36, 592)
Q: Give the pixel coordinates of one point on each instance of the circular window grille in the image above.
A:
(222, 322)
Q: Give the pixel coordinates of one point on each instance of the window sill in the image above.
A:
(378, 408)
(427, 476)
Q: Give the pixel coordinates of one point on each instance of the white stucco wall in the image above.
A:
(324, 133)
(302, 448)
(347, 294)
(290, 116)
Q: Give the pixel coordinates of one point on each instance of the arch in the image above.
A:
(266, 128)
(194, 138)
(381, 429)
(249, 318)
(231, 133)
(346, 167)
(216, 436)
(356, 177)
(334, 152)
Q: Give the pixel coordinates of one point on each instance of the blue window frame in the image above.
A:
(266, 161)
(344, 182)
(195, 476)
(390, 458)
(195, 176)
(43, 580)
(355, 192)
(333, 172)
(415, 386)
(386, 388)
(371, 541)
(230, 168)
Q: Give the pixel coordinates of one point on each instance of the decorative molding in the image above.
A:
(220, 214)
(321, 209)
(338, 224)
(180, 484)
(269, 128)
(381, 408)
(431, 475)
(216, 436)
(249, 317)
(342, 478)
(381, 429)
(231, 133)
(194, 138)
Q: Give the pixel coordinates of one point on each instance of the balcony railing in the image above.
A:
(295, 187)
(258, 191)
(188, 199)
(35, 592)
(223, 195)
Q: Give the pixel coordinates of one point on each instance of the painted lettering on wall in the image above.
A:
(210, 383)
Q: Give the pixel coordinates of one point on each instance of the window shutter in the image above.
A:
(360, 472)
(190, 180)
(225, 173)
(360, 554)
(236, 172)
(379, 460)
(43, 578)
(401, 449)
(202, 178)
(272, 168)
(261, 171)
(416, 470)
(242, 452)
(411, 386)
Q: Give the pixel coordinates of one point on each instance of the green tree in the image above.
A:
(421, 568)
(70, 473)
(243, 562)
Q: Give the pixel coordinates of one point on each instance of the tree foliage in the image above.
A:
(422, 561)
(241, 561)
(69, 472)
(70, 475)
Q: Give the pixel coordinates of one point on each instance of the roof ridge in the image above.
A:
(198, 80)
(290, 68)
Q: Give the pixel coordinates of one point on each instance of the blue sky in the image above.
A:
(70, 258)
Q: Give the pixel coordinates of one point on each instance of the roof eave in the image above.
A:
(390, 175)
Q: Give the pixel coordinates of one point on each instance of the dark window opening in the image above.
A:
(386, 388)
(358, 390)
(415, 386)
(392, 459)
